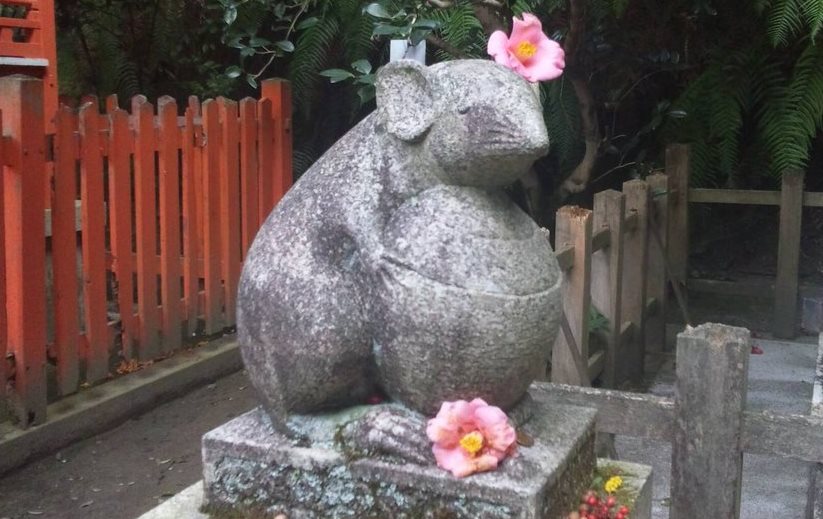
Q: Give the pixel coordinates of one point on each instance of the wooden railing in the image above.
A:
(168, 207)
(617, 258)
(708, 424)
(791, 199)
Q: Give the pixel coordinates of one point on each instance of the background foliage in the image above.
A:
(740, 79)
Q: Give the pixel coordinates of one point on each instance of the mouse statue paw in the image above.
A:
(389, 430)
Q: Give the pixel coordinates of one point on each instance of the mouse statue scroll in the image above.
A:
(398, 265)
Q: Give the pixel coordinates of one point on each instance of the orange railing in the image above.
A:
(28, 46)
(168, 205)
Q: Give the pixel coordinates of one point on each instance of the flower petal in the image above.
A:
(498, 47)
(528, 29)
(497, 431)
(455, 460)
(442, 431)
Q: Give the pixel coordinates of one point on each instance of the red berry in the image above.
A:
(624, 510)
(611, 501)
(592, 501)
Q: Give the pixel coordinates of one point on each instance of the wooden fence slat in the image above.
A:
(146, 228)
(120, 223)
(607, 269)
(64, 253)
(170, 266)
(191, 228)
(4, 368)
(279, 92)
(21, 100)
(574, 227)
(630, 366)
(677, 169)
(656, 285)
(94, 246)
(710, 397)
(211, 217)
(788, 254)
(230, 205)
(265, 143)
(250, 217)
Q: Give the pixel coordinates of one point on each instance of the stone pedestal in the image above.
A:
(251, 471)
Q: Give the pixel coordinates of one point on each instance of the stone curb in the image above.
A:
(105, 406)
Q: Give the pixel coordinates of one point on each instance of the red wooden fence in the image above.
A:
(169, 205)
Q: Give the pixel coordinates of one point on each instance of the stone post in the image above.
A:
(710, 395)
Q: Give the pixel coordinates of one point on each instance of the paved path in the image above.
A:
(124, 472)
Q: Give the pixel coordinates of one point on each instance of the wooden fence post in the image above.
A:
(120, 217)
(607, 268)
(678, 169)
(710, 396)
(279, 92)
(64, 253)
(570, 354)
(788, 254)
(230, 206)
(4, 368)
(169, 187)
(656, 271)
(211, 217)
(634, 282)
(96, 352)
(192, 225)
(146, 229)
(21, 102)
(249, 197)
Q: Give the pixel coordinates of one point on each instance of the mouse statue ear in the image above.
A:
(404, 101)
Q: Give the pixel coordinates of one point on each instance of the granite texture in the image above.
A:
(251, 470)
(397, 264)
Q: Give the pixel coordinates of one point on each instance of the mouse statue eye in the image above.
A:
(463, 110)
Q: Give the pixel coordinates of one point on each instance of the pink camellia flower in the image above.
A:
(470, 437)
(528, 51)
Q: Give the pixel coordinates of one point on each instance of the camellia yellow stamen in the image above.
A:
(525, 50)
(472, 443)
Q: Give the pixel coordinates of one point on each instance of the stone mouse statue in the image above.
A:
(397, 263)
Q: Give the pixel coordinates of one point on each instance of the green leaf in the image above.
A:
(337, 75)
(366, 94)
(307, 23)
(234, 71)
(362, 65)
(377, 10)
(251, 81)
(368, 79)
(280, 10)
(247, 51)
(385, 29)
(257, 41)
(426, 24)
(418, 35)
(230, 15)
(285, 45)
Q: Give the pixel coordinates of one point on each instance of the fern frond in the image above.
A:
(784, 21)
(813, 11)
(562, 115)
(310, 57)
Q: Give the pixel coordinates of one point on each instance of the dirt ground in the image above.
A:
(126, 471)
